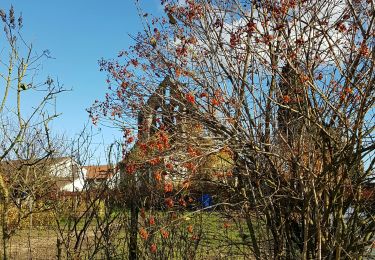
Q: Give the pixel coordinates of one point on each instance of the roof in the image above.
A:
(99, 172)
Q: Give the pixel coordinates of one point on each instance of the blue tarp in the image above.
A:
(206, 200)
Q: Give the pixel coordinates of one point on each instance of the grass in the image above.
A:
(216, 237)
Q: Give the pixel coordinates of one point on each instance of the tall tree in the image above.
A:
(288, 88)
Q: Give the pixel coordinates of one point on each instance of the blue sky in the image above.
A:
(78, 33)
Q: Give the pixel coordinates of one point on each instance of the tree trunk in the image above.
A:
(30, 227)
(5, 235)
(5, 246)
(58, 245)
(133, 230)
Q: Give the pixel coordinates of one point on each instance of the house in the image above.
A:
(40, 176)
(47, 177)
(72, 177)
(67, 174)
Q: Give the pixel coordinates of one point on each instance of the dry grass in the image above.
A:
(40, 244)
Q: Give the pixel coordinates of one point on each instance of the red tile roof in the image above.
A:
(99, 172)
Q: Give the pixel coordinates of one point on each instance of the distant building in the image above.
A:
(48, 176)
(40, 176)
(68, 174)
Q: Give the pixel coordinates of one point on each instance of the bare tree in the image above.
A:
(25, 137)
(287, 87)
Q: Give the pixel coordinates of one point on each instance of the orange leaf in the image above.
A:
(190, 229)
(190, 98)
(286, 99)
(168, 187)
(152, 220)
(164, 233)
(169, 202)
(153, 248)
(143, 233)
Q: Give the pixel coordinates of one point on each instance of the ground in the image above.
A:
(219, 239)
